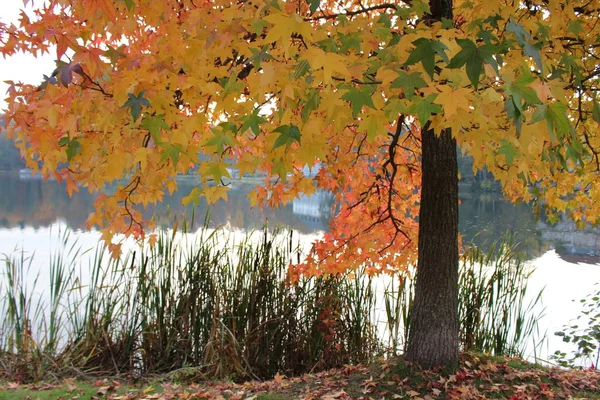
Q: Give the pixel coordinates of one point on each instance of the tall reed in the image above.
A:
(224, 305)
(492, 292)
(209, 301)
(494, 317)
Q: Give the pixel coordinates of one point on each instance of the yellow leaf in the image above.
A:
(253, 197)
(141, 157)
(333, 64)
(171, 186)
(278, 378)
(451, 99)
(247, 164)
(490, 95)
(386, 76)
(306, 186)
(52, 116)
(215, 193)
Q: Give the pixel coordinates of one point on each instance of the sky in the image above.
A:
(23, 68)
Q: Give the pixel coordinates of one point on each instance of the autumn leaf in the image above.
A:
(452, 99)
(215, 193)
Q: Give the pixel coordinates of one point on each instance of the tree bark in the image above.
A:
(433, 336)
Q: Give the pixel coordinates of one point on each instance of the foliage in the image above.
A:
(144, 91)
(585, 334)
(478, 377)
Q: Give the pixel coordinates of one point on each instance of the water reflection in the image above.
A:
(482, 218)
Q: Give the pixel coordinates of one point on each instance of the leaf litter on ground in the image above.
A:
(478, 377)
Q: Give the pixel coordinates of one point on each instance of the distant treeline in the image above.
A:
(10, 158)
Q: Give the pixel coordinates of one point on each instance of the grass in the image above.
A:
(78, 390)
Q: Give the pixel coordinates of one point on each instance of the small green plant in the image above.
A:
(585, 334)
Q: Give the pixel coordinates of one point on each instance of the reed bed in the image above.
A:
(224, 307)
(493, 312)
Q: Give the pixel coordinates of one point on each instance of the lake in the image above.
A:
(566, 260)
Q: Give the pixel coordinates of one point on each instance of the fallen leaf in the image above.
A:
(278, 378)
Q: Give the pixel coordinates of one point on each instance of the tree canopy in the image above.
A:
(146, 90)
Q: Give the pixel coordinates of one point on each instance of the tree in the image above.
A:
(377, 93)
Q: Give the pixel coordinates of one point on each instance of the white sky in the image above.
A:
(21, 67)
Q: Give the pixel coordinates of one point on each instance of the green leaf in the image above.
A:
(129, 4)
(114, 54)
(576, 27)
(425, 51)
(513, 109)
(311, 102)
(556, 117)
(192, 197)
(520, 91)
(468, 55)
(259, 55)
(596, 112)
(135, 104)
(508, 150)
(231, 84)
(358, 98)
(288, 135)
(539, 114)
(555, 114)
(154, 124)
(221, 139)
(171, 151)
(408, 82)
(420, 7)
(474, 57)
(258, 25)
(73, 146)
(348, 42)
(533, 51)
(301, 68)
(423, 108)
(252, 122)
(522, 35)
(314, 4)
(218, 171)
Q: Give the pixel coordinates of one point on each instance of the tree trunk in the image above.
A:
(433, 337)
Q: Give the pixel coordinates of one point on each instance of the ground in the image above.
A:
(478, 377)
